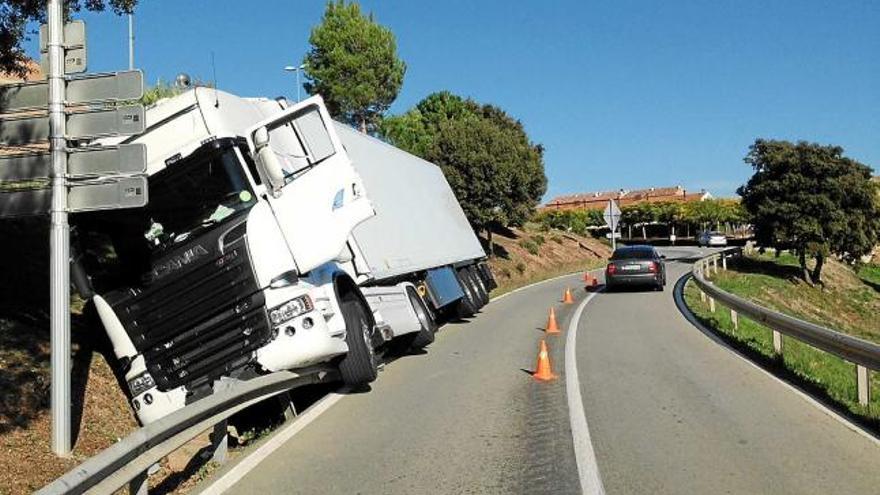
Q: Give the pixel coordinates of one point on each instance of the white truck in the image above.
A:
(243, 262)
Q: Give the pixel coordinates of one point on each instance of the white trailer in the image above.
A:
(419, 254)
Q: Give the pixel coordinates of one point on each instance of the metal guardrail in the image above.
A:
(865, 355)
(128, 461)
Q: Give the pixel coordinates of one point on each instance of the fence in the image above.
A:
(865, 355)
(129, 460)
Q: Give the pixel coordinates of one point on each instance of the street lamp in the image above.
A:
(296, 69)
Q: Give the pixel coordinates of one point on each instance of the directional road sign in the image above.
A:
(75, 59)
(612, 215)
(90, 88)
(101, 194)
(102, 122)
(25, 203)
(108, 194)
(123, 159)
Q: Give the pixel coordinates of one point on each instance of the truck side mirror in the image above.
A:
(267, 162)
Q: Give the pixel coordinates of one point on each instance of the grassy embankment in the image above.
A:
(848, 302)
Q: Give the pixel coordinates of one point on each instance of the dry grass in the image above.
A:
(528, 255)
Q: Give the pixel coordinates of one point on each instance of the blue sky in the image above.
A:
(622, 93)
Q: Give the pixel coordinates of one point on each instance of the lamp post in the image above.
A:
(296, 69)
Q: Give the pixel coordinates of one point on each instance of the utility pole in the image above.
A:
(59, 242)
(296, 69)
(130, 41)
(613, 227)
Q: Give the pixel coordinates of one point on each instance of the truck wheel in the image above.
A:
(359, 366)
(480, 285)
(425, 336)
(466, 306)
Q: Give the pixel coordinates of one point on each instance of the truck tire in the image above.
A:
(480, 285)
(359, 366)
(467, 305)
(425, 336)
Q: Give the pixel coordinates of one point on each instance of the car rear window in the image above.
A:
(632, 254)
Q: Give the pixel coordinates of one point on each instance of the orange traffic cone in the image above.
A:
(566, 298)
(542, 371)
(551, 323)
(595, 282)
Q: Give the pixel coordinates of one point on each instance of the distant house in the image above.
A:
(599, 200)
(34, 73)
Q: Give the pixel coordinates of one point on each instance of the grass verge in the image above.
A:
(825, 376)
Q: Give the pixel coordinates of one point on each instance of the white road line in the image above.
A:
(689, 315)
(238, 471)
(524, 287)
(279, 438)
(588, 469)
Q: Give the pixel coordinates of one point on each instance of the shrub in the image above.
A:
(557, 239)
(530, 246)
(521, 267)
(539, 239)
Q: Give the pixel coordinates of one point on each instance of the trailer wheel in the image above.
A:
(480, 285)
(359, 366)
(467, 305)
(425, 336)
(475, 289)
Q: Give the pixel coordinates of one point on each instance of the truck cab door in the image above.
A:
(315, 193)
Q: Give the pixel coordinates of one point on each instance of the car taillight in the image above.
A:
(611, 268)
(653, 267)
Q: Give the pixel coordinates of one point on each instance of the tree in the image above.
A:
(15, 15)
(811, 199)
(353, 65)
(496, 172)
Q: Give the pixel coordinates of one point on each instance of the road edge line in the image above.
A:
(539, 282)
(585, 456)
(251, 460)
(678, 296)
(281, 436)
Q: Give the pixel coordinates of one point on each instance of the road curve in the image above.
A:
(672, 411)
(669, 411)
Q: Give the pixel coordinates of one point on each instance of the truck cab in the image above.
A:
(233, 268)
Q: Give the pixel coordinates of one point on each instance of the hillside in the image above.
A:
(847, 301)
(527, 255)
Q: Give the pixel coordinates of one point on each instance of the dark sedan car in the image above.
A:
(636, 265)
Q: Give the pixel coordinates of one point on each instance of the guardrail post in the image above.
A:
(863, 382)
(777, 343)
(702, 296)
(735, 319)
(219, 443)
(724, 261)
(715, 265)
(140, 485)
(711, 304)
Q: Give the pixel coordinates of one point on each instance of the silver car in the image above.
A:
(712, 239)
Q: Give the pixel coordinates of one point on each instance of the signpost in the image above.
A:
(612, 219)
(88, 88)
(69, 108)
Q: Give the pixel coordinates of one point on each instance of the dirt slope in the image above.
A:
(527, 255)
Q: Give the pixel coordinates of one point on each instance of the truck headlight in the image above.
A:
(140, 384)
(290, 310)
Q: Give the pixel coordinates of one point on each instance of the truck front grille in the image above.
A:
(200, 316)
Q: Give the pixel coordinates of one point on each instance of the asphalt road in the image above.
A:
(669, 411)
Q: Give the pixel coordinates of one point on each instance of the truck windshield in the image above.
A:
(207, 188)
